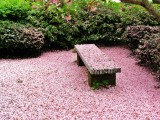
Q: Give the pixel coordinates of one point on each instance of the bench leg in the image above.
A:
(110, 77)
(79, 61)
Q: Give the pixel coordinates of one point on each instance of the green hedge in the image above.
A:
(106, 24)
(85, 26)
(17, 37)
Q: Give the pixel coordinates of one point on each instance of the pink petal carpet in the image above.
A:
(53, 87)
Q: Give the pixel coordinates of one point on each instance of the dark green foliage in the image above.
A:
(101, 25)
(53, 26)
(83, 27)
(16, 37)
(106, 24)
(39, 19)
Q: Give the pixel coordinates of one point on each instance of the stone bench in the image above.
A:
(100, 67)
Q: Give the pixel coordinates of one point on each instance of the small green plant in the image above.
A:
(14, 9)
(97, 84)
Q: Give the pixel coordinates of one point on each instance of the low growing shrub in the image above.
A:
(145, 43)
(148, 52)
(133, 34)
(17, 37)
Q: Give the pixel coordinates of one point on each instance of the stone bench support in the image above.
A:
(79, 61)
(110, 77)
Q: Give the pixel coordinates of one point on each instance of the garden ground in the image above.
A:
(52, 86)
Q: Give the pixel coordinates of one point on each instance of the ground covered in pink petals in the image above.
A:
(52, 86)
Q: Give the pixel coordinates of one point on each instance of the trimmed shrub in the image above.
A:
(148, 52)
(133, 34)
(16, 37)
(145, 41)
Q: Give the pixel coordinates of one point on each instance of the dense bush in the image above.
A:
(148, 52)
(145, 41)
(133, 34)
(87, 21)
(83, 26)
(81, 22)
(100, 25)
(16, 37)
(14, 9)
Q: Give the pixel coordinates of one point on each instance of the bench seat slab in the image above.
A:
(95, 60)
